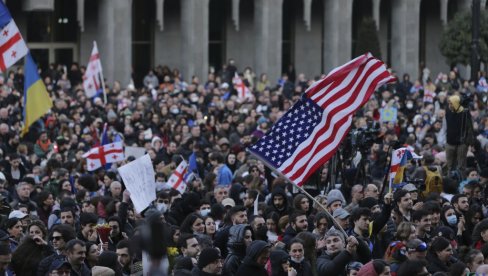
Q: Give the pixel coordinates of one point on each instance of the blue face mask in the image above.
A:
(452, 220)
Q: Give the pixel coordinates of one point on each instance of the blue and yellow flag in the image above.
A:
(36, 98)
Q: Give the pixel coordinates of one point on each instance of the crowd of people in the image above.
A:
(237, 216)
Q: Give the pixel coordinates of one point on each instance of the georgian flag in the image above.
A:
(12, 46)
(243, 92)
(177, 179)
(99, 156)
(91, 79)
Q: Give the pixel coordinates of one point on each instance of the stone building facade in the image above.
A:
(266, 35)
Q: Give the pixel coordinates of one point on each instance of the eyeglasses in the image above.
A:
(56, 238)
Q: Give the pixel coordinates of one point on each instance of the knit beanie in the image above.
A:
(335, 195)
(208, 256)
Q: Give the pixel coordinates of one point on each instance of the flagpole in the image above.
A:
(101, 75)
(336, 224)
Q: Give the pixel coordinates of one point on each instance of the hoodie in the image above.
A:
(277, 258)
(236, 248)
(282, 211)
(249, 265)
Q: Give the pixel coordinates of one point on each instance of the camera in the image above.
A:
(466, 100)
(419, 183)
(361, 139)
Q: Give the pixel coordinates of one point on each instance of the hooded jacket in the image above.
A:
(333, 264)
(283, 211)
(277, 258)
(462, 133)
(236, 248)
(249, 265)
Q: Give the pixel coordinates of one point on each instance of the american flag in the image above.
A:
(308, 135)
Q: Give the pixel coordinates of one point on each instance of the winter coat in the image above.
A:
(333, 264)
(249, 265)
(236, 248)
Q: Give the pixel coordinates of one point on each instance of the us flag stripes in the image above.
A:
(308, 135)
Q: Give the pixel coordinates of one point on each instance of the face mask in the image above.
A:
(409, 105)
(161, 207)
(204, 212)
(261, 232)
(410, 129)
(452, 220)
(194, 99)
(297, 260)
(175, 111)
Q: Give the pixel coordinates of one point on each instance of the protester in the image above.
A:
(231, 200)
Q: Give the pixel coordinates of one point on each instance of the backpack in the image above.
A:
(433, 181)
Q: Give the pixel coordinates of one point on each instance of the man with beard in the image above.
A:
(259, 228)
(336, 255)
(278, 203)
(404, 203)
(298, 223)
(366, 233)
(423, 224)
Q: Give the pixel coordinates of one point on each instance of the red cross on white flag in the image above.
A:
(99, 156)
(91, 79)
(176, 180)
(12, 46)
(243, 92)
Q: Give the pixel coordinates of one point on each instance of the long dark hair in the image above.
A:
(186, 225)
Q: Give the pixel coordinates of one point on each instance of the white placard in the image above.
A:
(134, 151)
(139, 178)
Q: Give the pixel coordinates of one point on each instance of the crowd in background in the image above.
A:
(238, 217)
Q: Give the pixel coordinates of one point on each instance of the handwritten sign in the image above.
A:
(139, 178)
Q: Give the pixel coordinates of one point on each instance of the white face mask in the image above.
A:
(162, 207)
(410, 129)
(204, 212)
(409, 105)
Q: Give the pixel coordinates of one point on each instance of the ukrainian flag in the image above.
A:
(36, 98)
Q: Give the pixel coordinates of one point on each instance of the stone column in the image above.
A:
(376, 13)
(106, 38)
(444, 4)
(123, 41)
(114, 40)
(194, 38)
(235, 13)
(160, 14)
(268, 16)
(405, 37)
(80, 14)
(337, 33)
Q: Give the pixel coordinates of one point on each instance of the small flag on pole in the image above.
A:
(176, 180)
(36, 98)
(92, 80)
(243, 92)
(12, 45)
(399, 159)
(100, 156)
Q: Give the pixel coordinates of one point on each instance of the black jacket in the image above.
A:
(289, 234)
(249, 266)
(236, 248)
(435, 265)
(333, 264)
